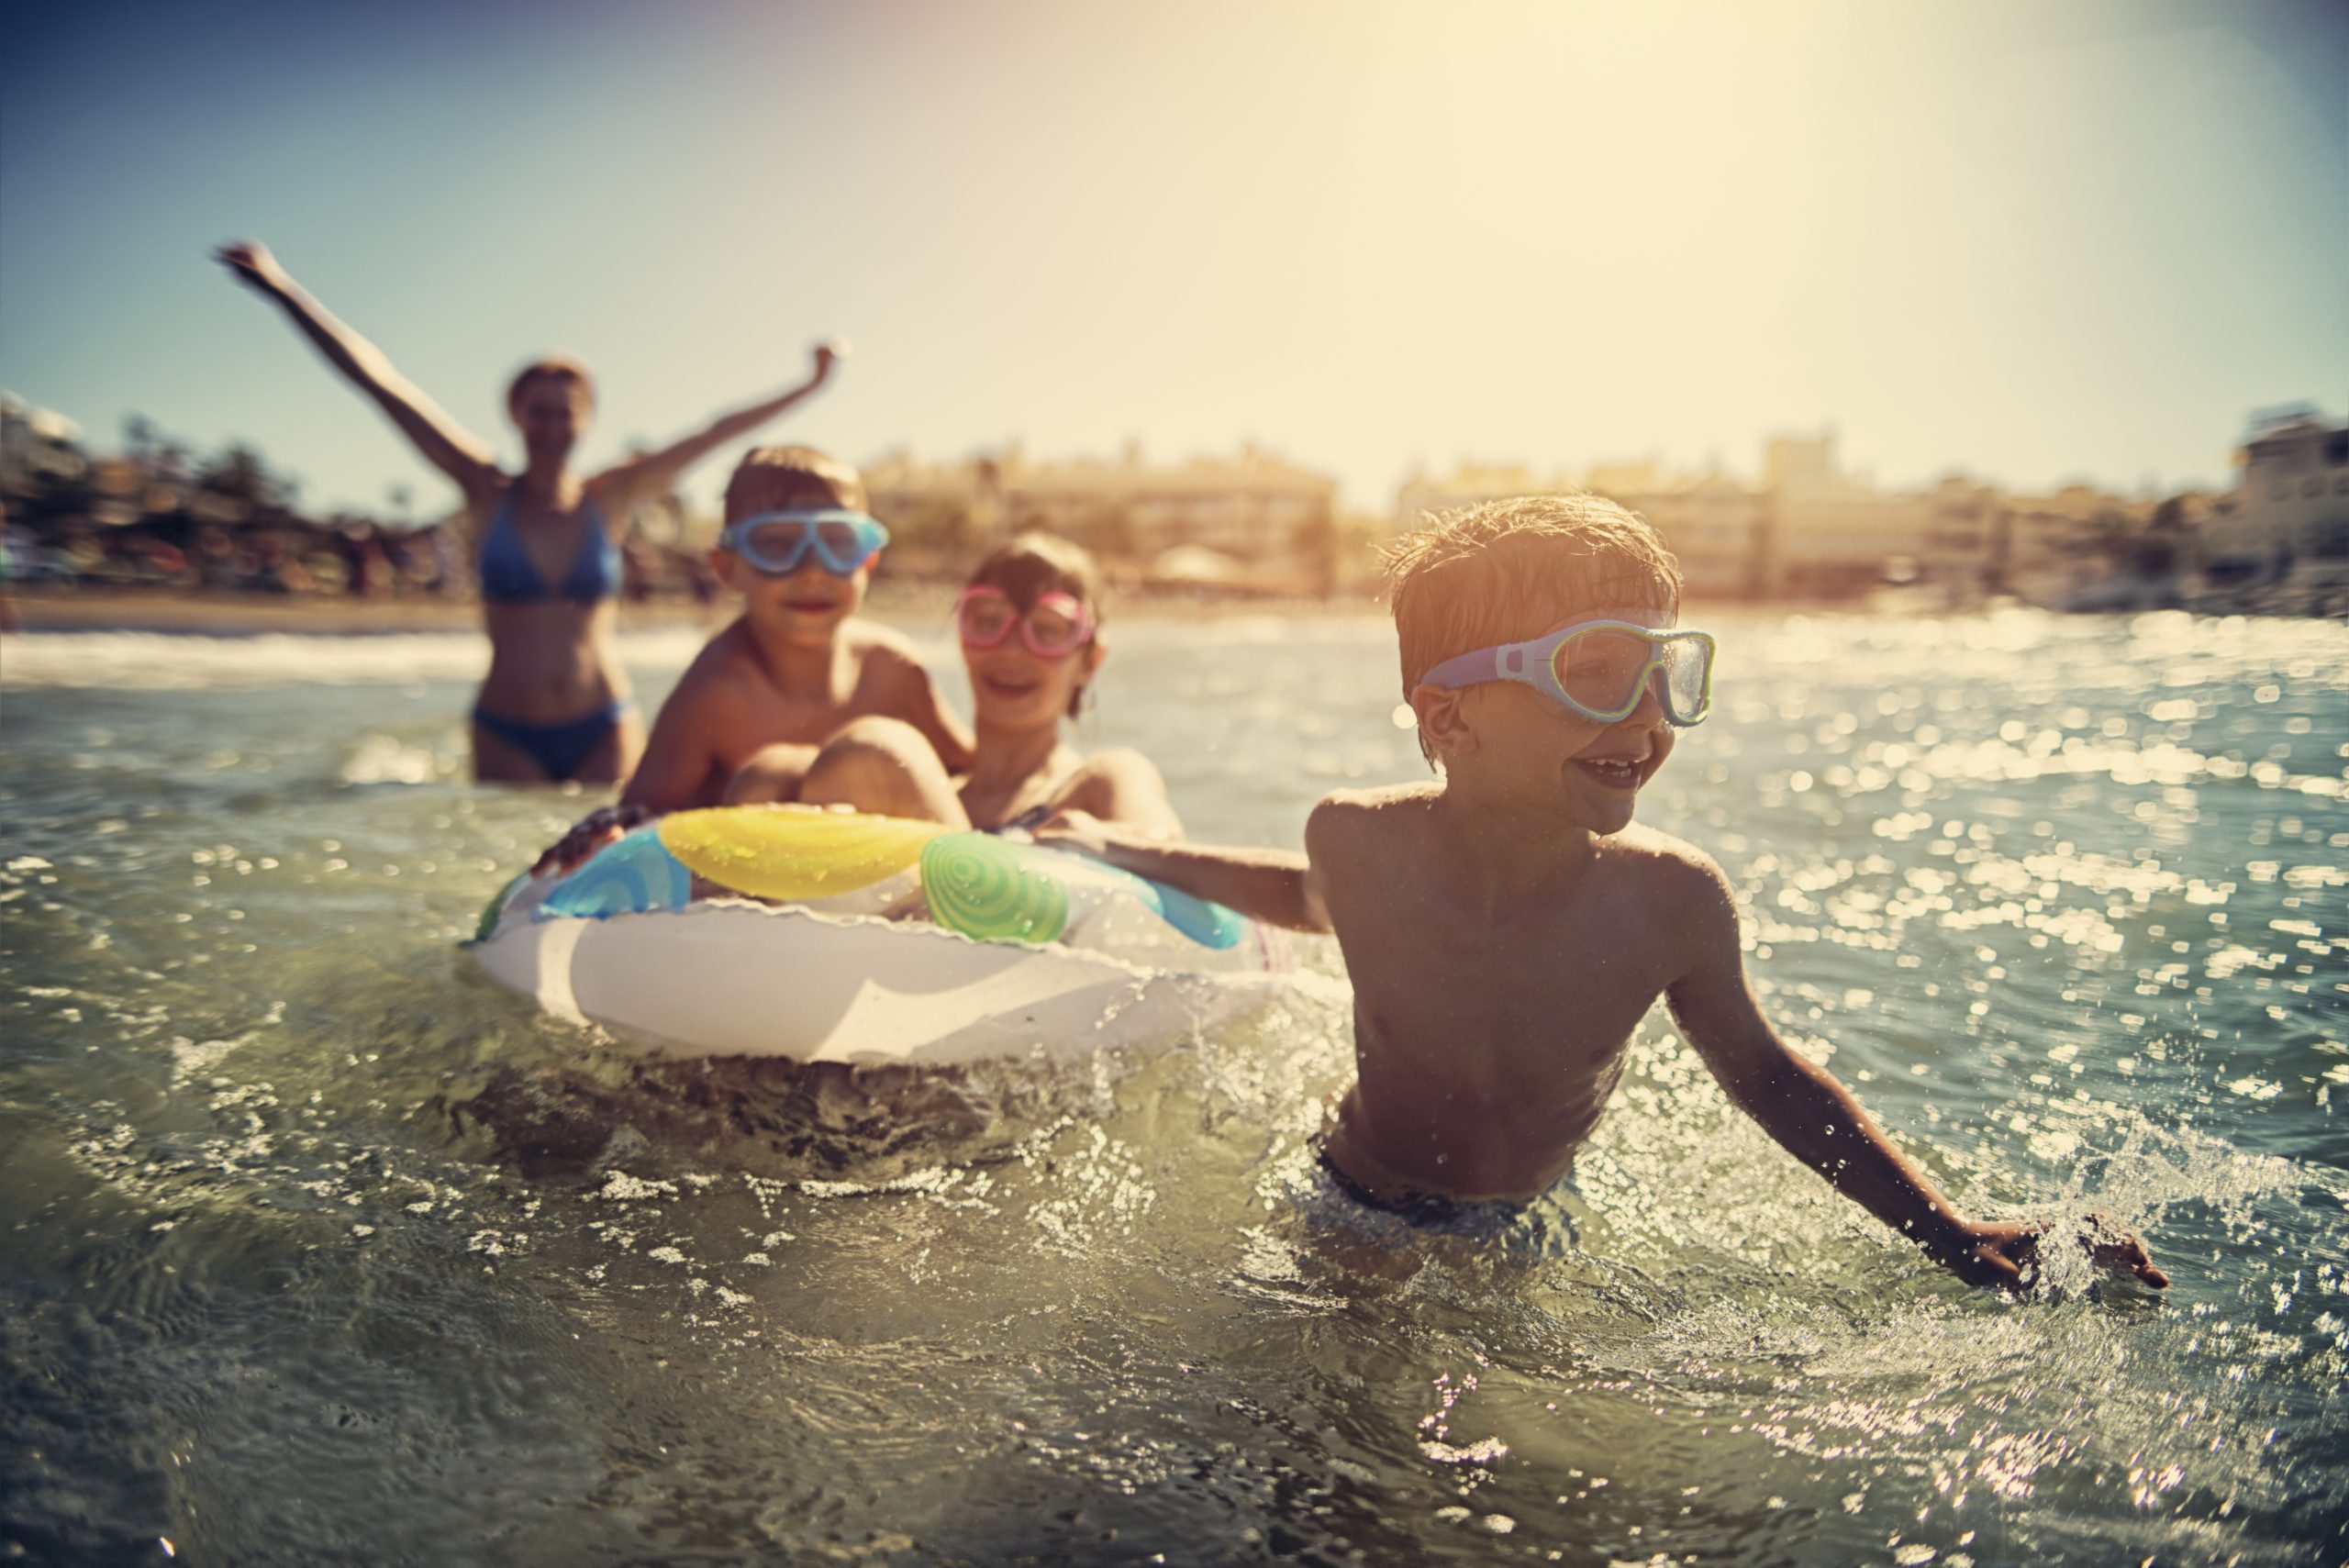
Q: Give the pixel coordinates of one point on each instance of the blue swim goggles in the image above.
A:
(776, 543)
(1599, 668)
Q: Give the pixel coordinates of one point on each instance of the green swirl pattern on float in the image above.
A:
(982, 887)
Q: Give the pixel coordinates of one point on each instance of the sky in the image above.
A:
(2034, 241)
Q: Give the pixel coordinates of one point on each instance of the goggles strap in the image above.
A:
(1467, 670)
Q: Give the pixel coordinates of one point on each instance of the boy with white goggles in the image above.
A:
(1599, 669)
(1507, 926)
(795, 668)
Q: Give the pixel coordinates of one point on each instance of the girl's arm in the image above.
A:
(444, 443)
(655, 473)
(1123, 790)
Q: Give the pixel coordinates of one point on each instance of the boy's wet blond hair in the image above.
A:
(770, 479)
(1507, 571)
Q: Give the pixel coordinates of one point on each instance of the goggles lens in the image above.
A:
(1603, 670)
(1054, 627)
(987, 621)
(777, 543)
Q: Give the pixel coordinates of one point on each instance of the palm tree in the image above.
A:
(138, 437)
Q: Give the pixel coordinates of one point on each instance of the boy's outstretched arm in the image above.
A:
(1815, 1117)
(1276, 886)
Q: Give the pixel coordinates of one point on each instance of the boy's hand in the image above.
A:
(829, 352)
(2005, 1254)
(590, 833)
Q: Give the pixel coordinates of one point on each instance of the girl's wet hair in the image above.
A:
(1031, 565)
(554, 367)
(770, 479)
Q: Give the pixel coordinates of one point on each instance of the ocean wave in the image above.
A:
(134, 661)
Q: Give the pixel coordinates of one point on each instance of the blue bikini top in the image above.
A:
(507, 576)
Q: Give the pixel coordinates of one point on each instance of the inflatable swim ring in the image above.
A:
(998, 948)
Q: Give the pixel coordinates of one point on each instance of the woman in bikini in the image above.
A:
(554, 705)
(1029, 623)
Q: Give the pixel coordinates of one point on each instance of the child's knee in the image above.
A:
(771, 773)
(883, 765)
(878, 737)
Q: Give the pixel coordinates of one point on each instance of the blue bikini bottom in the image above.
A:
(560, 749)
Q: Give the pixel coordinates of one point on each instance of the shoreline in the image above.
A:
(44, 608)
(173, 612)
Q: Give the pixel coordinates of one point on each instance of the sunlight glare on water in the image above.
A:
(321, 1247)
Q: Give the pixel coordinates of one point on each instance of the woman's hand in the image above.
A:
(829, 352)
(253, 266)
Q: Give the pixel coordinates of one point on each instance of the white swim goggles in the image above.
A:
(776, 543)
(1599, 669)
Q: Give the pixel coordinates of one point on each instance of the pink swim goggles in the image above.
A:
(1054, 626)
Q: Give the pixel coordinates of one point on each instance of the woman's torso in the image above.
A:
(550, 580)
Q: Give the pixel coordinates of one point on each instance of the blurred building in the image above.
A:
(2288, 517)
(1965, 526)
(1472, 484)
(1712, 523)
(1831, 533)
(2054, 548)
(38, 447)
(1252, 507)
(1809, 529)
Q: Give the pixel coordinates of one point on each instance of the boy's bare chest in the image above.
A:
(760, 714)
(1575, 980)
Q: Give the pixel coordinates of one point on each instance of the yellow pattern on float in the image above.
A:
(793, 852)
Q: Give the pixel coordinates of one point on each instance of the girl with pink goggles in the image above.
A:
(1054, 626)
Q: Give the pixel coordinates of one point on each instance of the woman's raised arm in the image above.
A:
(444, 443)
(642, 478)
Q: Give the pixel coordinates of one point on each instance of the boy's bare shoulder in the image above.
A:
(724, 659)
(883, 650)
(1346, 819)
(1673, 869)
(868, 638)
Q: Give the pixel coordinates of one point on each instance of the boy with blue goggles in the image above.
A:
(794, 668)
(776, 543)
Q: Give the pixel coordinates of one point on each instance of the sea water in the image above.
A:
(320, 1247)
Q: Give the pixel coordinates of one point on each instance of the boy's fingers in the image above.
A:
(2131, 1253)
(1997, 1268)
(2109, 1244)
